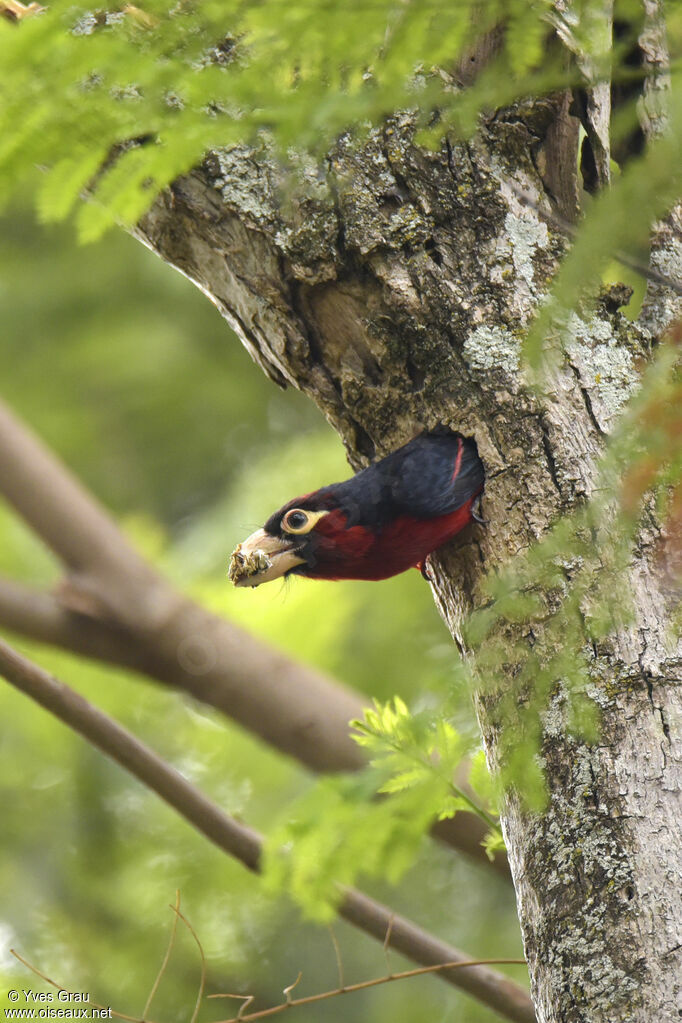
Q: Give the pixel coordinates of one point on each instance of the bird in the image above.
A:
(384, 520)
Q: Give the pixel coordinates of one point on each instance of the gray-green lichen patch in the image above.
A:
(578, 866)
(663, 306)
(377, 210)
(90, 21)
(604, 364)
(245, 184)
(492, 350)
(293, 205)
(522, 257)
(526, 234)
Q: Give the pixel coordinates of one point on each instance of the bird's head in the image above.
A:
(309, 536)
(384, 520)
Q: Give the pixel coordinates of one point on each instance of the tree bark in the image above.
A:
(394, 292)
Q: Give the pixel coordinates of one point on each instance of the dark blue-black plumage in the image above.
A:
(432, 475)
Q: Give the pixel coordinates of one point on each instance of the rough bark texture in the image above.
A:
(395, 290)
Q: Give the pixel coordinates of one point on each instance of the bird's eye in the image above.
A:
(297, 521)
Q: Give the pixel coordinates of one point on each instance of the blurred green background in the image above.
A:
(132, 376)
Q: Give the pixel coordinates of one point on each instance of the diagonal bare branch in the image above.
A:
(487, 985)
(79, 531)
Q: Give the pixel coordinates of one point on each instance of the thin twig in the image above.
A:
(167, 956)
(244, 1007)
(202, 981)
(13, 10)
(247, 1000)
(60, 987)
(387, 940)
(290, 1002)
(234, 838)
(339, 960)
(287, 990)
(361, 986)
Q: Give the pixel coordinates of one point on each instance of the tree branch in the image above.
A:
(294, 708)
(49, 498)
(114, 593)
(40, 616)
(487, 985)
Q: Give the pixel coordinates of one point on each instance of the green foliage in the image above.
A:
(334, 834)
(124, 103)
(371, 824)
(412, 750)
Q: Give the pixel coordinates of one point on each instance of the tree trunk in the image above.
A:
(394, 291)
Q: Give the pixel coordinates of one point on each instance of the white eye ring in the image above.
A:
(297, 521)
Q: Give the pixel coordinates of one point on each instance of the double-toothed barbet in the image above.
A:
(385, 519)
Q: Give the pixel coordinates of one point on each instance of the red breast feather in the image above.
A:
(360, 553)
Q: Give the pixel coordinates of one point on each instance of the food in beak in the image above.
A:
(260, 558)
(242, 565)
